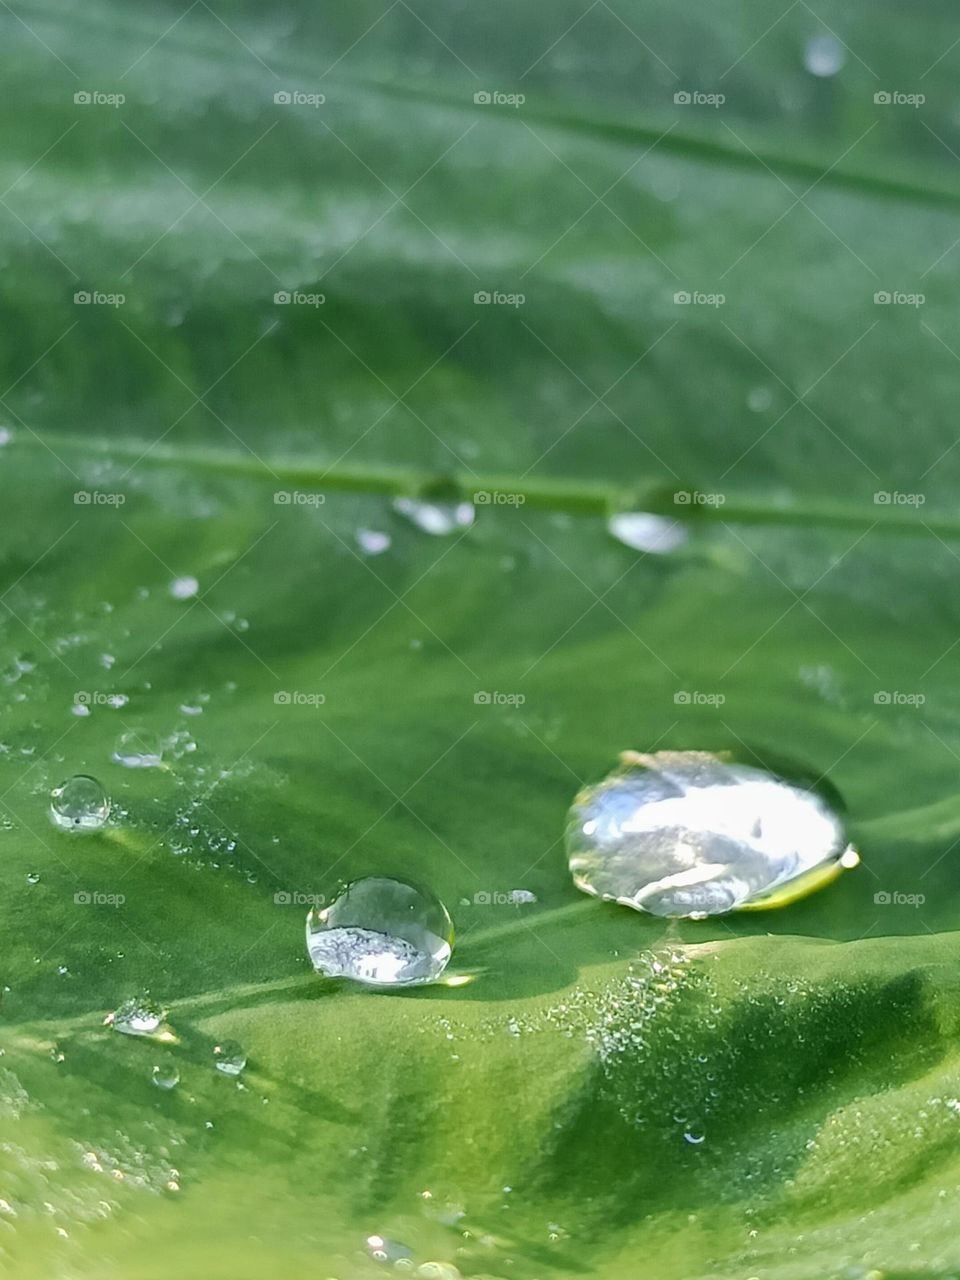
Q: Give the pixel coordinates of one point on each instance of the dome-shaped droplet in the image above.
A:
(138, 749)
(381, 932)
(166, 1073)
(688, 833)
(437, 518)
(229, 1057)
(80, 804)
(644, 531)
(824, 55)
(139, 1016)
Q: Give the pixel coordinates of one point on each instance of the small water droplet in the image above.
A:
(824, 55)
(384, 1250)
(80, 709)
(373, 542)
(80, 804)
(693, 1138)
(759, 398)
(139, 1016)
(33, 877)
(645, 532)
(138, 749)
(437, 518)
(184, 588)
(381, 932)
(166, 1074)
(229, 1057)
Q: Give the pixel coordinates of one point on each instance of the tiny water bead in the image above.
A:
(139, 1016)
(643, 531)
(80, 804)
(824, 55)
(166, 1074)
(138, 749)
(381, 932)
(690, 833)
(184, 588)
(437, 518)
(229, 1058)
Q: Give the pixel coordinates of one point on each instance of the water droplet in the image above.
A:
(139, 1016)
(6, 435)
(824, 55)
(80, 804)
(138, 749)
(184, 588)
(686, 833)
(229, 1057)
(645, 532)
(381, 932)
(524, 896)
(759, 398)
(373, 542)
(33, 877)
(694, 1138)
(166, 1074)
(437, 518)
(384, 1250)
(80, 709)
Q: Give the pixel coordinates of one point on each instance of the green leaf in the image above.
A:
(772, 1094)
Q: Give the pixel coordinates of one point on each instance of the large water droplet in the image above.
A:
(138, 749)
(824, 55)
(645, 532)
(80, 804)
(687, 833)
(437, 518)
(139, 1016)
(381, 932)
(229, 1057)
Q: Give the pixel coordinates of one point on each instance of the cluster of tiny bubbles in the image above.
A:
(435, 517)
(229, 1058)
(643, 531)
(381, 933)
(79, 805)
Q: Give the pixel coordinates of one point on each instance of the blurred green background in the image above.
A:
(218, 289)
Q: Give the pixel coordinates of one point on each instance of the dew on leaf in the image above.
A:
(687, 833)
(184, 588)
(373, 542)
(824, 55)
(437, 518)
(139, 1016)
(229, 1057)
(138, 749)
(79, 805)
(643, 531)
(381, 932)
